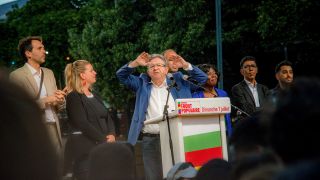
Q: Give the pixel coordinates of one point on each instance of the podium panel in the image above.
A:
(198, 132)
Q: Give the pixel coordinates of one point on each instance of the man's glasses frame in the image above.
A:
(151, 66)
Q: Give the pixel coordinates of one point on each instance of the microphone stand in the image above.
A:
(166, 118)
(240, 110)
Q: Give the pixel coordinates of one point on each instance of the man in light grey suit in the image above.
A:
(40, 83)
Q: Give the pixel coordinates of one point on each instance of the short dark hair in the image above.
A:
(25, 44)
(206, 68)
(247, 58)
(282, 63)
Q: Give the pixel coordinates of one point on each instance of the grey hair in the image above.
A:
(153, 56)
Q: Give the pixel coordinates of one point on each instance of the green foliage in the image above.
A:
(8, 48)
(109, 40)
(239, 26)
(288, 20)
(111, 33)
(182, 26)
(49, 19)
(116, 33)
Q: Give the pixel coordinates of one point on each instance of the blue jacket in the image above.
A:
(142, 86)
(221, 93)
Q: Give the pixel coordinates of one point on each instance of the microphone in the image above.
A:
(196, 83)
(173, 81)
(193, 81)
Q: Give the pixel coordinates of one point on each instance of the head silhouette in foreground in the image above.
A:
(27, 152)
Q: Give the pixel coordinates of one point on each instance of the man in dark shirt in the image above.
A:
(284, 75)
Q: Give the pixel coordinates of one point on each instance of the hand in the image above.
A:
(66, 90)
(59, 96)
(180, 62)
(50, 100)
(142, 60)
(60, 93)
(110, 138)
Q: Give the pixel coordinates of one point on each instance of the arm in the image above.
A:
(125, 77)
(266, 91)
(55, 97)
(124, 73)
(20, 78)
(111, 135)
(56, 100)
(78, 116)
(238, 99)
(198, 75)
(237, 96)
(194, 71)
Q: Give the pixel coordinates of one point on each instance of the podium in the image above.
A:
(198, 132)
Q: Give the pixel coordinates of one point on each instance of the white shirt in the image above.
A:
(155, 108)
(254, 91)
(37, 76)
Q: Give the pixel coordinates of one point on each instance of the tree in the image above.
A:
(185, 27)
(51, 20)
(294, 26)
(8, 50)
(109, 40)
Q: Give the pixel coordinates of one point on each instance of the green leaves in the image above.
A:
(111, 33)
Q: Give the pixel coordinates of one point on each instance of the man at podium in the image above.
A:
(151, 90)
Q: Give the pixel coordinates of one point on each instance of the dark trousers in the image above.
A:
(151, 154)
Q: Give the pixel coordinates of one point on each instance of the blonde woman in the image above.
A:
(87, 114)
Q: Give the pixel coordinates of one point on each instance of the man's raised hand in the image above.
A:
(180, 62)
(141, 60)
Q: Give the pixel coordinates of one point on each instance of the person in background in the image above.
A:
(172, 58)
(217, 169)
(248, 95)
(210, 91)
(114, 161)
(151, 92)
(182, 171)
(173, 63)
(293, 133)
(26, 148)
(264, 166)
(87, 114)
(284, 76)
(40, 83)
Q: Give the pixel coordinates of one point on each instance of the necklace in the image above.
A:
(210, 93)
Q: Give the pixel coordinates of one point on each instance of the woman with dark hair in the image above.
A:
(210, 91)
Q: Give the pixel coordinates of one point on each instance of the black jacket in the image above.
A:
(243, 98)
(85, 118)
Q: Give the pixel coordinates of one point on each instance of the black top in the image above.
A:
(89, 115)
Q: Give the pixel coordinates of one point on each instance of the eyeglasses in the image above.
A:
(151, 66)
(249, 65)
